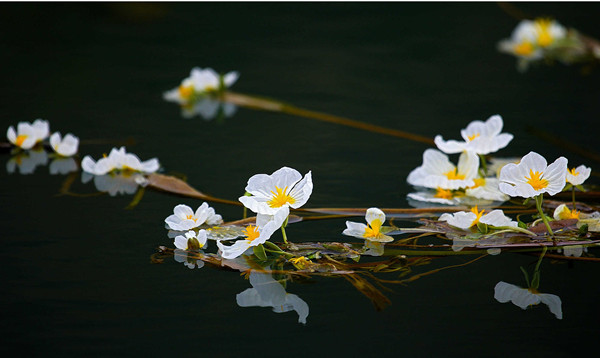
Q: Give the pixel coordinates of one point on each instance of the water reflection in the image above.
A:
(526, 297)
(189, 259)
(266, 292)
(209, 109)
(27, 161)
(115, 183)
(62, 165)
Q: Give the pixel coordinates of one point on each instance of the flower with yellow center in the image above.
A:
(283, 189)
(467, 219)
(576, 176)
(479, 137)
(438, 172)
(372, 231)
(562, 212)
(28, 134)
(120, 160)
(523, 42)
(191, 241)
(183, 218)
(533, 176)
(200, 82)
(300, 262)
(266, 225)
(548, 32)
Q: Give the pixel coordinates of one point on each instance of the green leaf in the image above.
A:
(483, 228)
(259, 251)
(583, 230)
(522, 225)
(580, 187)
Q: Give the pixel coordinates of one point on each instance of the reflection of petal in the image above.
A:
(62, 166)
(523, 298)
(27, 161)
(113, 183)
(182, 256)
(266, 292)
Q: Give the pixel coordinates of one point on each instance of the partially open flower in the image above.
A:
(28, 134)
(579, 175)
(562, 212)
(438, 172)
(191, 240)
(66, 146)
(200, 82)
(533, 176)
(375, 219)
(479, 137)
(119, 159)
(184, 218)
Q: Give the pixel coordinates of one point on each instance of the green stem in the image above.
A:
(283, 230)
(273, 246)
(515, 228)
(279, 252)
(573, 195)
(483, 165)
(538, 204)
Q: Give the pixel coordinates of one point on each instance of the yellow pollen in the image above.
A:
(280, 198)
(543, 29)
(471, 137)
(479, 214)
(372, 230)
(21, 139)
(524, 48)
(453, 175)
(186, 91)
(300, 262)
(478, 182)
(191, 217)
(536, 181)
(573, 172)
(443, 194)
(252, 232)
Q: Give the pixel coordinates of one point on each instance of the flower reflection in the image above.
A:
(61, 165)
(208, 108)
(27, 161)
(266, 292)
(525, 297)
(114, 183)
(189, 259)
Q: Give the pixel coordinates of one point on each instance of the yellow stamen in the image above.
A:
(453, 175)
(280, 198)
(372, 230)
(573, 172)
(443, 194)
(524, 48)
(536, 181)
(471, 137)
(479, 214)
(543, 29)
(20, 139)
(300, 262)
(186, 92)
(252, 232)
(191, 217)
(478, 182)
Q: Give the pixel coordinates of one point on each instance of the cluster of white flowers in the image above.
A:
(445, 183)
(28, 135)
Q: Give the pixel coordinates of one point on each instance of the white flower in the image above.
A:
(184, 218)
(61, 165)
(524, 297)
(562, 212)
(466, 219)
(532, 176)
(27, 135)
(266, 225)
(200, 81)
(523, 42)
(27, 161)
(487, 189)
(283, 189)
(119, 159)
(480, 137)
(437, 171)
(266, 292)
(191, 240)
(65, 147)
(577, 176)
(375, 218)
(113, 183)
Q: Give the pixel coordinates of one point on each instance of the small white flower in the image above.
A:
(577, 176)
(480, 137)
(525, 297)
(191, 240)
(533, 176)
(283, 189)
(375, 219)
(184, 218)
(562, 212)
(523, 42)
(438, 172)
(201, 81)
(27, 135)
(65, 147)
(119, 159)
(467, 219)
(266, 292)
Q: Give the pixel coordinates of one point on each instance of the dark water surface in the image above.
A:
(77, 277)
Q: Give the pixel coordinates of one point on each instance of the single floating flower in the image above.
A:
(66, 146)
(437, 172)
(562, 212)
(184, 218)
(266, 225)
(200, 82)
(533, 176)
(119, 159)
(191, 240)
(479, 137)
(467, 219)
(28, 134)
(577, 176)
(372, 232)
(280, 191)
(526, 297)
